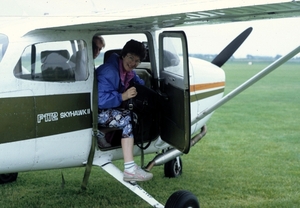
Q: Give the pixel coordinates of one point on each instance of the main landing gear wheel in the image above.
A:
(173, 168)
(7, 178)
(182, 199)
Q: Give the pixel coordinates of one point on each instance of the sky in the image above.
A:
(268, 38)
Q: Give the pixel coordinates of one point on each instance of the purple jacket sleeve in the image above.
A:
(108, 85)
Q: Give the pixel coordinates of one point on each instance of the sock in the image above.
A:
(129, 166)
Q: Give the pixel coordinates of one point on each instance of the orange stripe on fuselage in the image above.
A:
(206, 86)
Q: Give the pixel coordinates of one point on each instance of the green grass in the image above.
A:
(250, 156)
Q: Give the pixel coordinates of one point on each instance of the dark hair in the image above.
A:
(134, 47)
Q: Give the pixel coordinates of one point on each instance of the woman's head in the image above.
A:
(134, 48)
(132, 54)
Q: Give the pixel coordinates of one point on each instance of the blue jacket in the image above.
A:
(110, 88)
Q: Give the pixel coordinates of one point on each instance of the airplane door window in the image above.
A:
(54, 61)
(172, 56)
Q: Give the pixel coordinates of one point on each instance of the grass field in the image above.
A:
(250, 157)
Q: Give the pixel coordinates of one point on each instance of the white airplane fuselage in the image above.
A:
(35, 151)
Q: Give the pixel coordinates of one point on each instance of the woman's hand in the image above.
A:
(130, 93)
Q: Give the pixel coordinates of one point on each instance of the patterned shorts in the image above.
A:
(117, 118)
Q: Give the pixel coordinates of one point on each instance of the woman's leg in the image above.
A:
(122, 119)
(127, 147)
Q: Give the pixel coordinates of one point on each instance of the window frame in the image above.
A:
(30, 64)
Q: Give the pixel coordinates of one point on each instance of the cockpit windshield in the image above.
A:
(3, 45)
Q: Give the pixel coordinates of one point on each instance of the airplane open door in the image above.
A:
(175, 88)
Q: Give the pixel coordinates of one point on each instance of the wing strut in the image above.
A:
(248, 83)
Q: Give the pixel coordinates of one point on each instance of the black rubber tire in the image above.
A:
(8, 178)
(171, 168)
(182, 199)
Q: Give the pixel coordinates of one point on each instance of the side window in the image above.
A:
(3, 45)
(63, 61)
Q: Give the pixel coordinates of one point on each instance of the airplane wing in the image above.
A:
(82, 14)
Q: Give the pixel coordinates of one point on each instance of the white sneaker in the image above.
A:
(138, 175)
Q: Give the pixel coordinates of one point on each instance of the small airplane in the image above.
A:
(48, 100)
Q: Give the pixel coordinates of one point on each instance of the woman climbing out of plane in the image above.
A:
(114, 78)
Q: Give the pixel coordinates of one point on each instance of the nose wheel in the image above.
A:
(7, 178)
(173, 168)
(182, 199)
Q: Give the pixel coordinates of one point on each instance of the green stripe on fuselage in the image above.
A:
(204, 95)
(24, 118)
